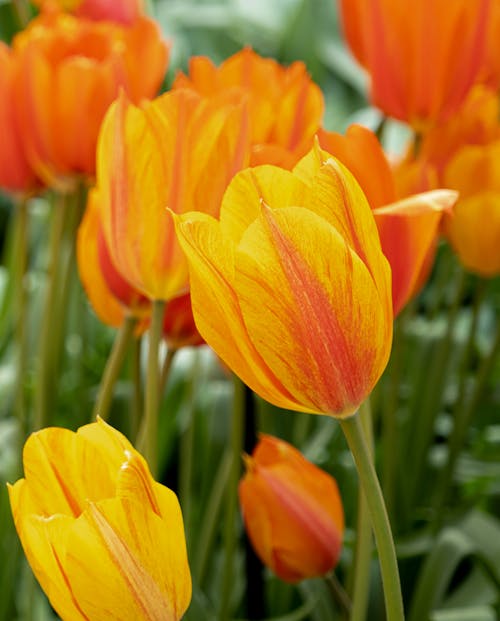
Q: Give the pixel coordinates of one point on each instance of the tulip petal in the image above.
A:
(243, 199)
(215, 305)
(316, 318)
(55, 456)
(44, 542)
(111, 568)
(408, 231)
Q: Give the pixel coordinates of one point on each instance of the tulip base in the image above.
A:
(354, 434)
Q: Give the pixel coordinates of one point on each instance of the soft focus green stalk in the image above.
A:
(113, 367)
(353, 431)
(360, 580)
(232, 500)
(148, 440)
(339, 596)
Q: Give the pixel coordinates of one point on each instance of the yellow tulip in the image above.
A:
(291, 288)
(105, 541)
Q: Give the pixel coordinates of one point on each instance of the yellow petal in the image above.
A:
(125, 562)
(63, 471)
(215, 305)
(243, 199)
(44, 542)
(316, 318)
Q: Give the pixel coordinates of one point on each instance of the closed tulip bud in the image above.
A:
(179, 329)
(291, 288)
(104, 540)
(292, 511)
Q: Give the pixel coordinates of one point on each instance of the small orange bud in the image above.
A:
(292, 511)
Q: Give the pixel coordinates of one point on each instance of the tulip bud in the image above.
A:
(292, 511)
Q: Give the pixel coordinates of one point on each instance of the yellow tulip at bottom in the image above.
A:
(291, 288)
(105, 541)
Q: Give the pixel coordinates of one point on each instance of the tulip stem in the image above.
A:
(137, 396)
(149, 436)
(363, 550)
(353, 431)
(113, 367)
(339, 595)
(231, 500)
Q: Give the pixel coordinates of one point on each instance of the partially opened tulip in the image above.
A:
(104, 540)
(291, 288)
(408, 228)
(418, 72)
(292, 511)
(69, 70)
(285, 106)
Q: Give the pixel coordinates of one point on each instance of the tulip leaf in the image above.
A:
(479, 613)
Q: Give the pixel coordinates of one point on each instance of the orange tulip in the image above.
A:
(422, 58)
(408, 228)
(291, 288)
(110, 295)
(121, 11)
(292, 511)
(178, 151)
(69, 71)
(16, 175)
(103, 538)
(285, 105)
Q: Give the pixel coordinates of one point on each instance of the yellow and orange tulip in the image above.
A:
(291, 288)
(422, 58)
(408, 228)
(292, 511)
(285, 106)
(104, 540)
(16, 175)
(69, 70)
(179, 152)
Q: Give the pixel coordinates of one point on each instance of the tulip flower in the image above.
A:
(110, 295)
(422, 59)
(16, 175)
(285, 106)
(69, 70)
(474, 229)
(408, 228)
(291, 288)
(178, 151)
(292, 511)
(104, 540)
(121, 11)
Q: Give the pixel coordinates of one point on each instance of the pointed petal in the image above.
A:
(327, 335)
(215, 305)
(243, 199)
(124, 562)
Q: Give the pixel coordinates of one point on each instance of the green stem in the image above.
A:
(339, 595)
(167, 367)
(45, 372)
(424, 419)
(148, 441)
(363, 551)
(21, 325)
(137, 396)
(353, 431)
(113, 367)
(231, 500)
